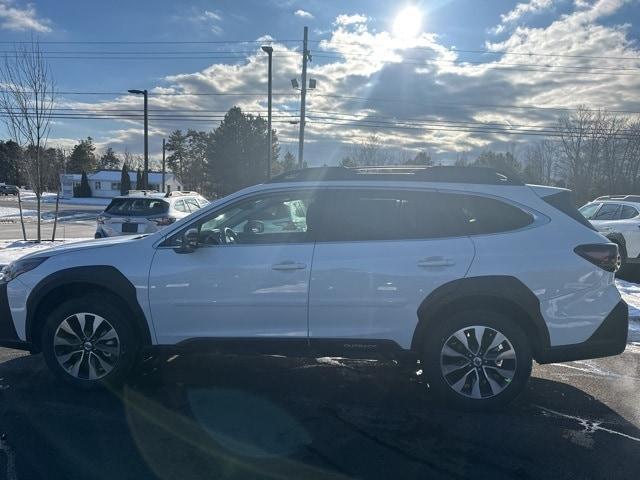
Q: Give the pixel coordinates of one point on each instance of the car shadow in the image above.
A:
(203, 416)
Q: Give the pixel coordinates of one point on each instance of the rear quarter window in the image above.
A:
(483, 215)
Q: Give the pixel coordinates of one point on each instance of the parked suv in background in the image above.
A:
(8, 190)
(471, 272)
(146, 212)
(618, 218)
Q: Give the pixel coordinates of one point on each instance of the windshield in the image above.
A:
(137, 206)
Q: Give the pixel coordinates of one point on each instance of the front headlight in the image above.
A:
(19, 267)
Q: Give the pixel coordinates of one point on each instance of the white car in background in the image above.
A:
(617, 217)
(146, 212)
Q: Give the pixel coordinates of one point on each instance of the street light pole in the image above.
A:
(145, 173)
(269, 51)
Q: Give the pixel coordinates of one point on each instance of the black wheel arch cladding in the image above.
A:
(104, 278)
(494, 291)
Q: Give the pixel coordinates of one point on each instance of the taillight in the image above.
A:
(603, 255)
(164, 221)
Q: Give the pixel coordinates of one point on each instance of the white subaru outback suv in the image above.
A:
(618, 218)
(471, 272)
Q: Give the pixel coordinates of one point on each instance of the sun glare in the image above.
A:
(408, 23)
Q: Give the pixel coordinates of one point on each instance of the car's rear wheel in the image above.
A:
(477, 360)
(87, 342)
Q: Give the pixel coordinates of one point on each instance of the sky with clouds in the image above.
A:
(447, 76)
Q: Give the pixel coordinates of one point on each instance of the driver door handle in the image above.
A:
(289, 265)
(436, 262)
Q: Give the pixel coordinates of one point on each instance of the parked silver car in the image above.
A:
(146, 212)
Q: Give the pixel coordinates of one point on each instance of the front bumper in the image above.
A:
(8, 335)
(609, 339)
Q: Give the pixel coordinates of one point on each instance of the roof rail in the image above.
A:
(449, 174)
(178, 193)
(144, 192)
(628, 198)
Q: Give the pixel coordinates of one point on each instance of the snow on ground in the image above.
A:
(631, 294)
(10, 214)
(49, 197)
(13, 249)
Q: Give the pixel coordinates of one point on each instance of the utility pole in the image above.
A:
(303, 96)
(163, 165)
(269, 51)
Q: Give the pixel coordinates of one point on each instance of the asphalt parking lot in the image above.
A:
(274, 417)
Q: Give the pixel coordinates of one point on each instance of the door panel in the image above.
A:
(249, 276)
(230, 291)
(379, 255)
(372, 290)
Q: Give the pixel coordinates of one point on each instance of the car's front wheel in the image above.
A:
(477, 359)
(88, 342)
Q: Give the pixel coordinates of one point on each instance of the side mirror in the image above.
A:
(189, 241)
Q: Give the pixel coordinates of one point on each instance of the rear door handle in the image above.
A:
(436, 262)
(289, 265)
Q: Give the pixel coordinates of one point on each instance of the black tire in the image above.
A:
(442, 334)
(128, 344)
(622, 251)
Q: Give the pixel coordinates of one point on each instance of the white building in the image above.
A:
(106, 183)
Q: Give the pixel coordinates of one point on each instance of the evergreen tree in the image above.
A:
(82, 157)
(109, 160)
(83, 190)
(125, 180)
(177, 158)
(138, 179)
(237, 154)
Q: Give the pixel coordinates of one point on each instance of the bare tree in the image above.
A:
(541, 162)
(26, 100)
(370, 152)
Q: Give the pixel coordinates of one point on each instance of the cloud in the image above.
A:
(345, 20)
(414, 95)
(208, 18)
(303, 14)
(521, 10)
(13, 17)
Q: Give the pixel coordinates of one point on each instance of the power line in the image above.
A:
(461, 63)
(147, 42)
(490, 52)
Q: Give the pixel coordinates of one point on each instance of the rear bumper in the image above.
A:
(8, 335)
(609, 339)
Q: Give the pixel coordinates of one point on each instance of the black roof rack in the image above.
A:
(449, 174)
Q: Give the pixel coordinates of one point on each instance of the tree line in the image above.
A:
(592, 152)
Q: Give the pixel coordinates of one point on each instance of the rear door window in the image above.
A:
(191, 204)
(608, 211)
(180, 206)
(137, 206)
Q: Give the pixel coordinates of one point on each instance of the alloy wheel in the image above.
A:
(478, 362)
(86, 346)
